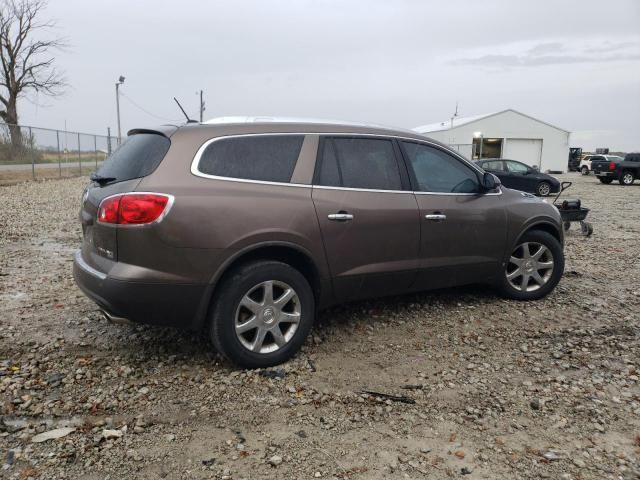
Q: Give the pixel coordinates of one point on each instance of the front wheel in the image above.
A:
(584, 170)
(605, 180)
(262, 314)
(543, 189)
(534, 267)
(627, 178)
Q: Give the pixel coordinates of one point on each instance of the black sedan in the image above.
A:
(517, 175)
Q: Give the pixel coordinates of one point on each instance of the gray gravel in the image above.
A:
(500, 389)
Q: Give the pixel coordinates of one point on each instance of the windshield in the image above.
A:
(137, 157)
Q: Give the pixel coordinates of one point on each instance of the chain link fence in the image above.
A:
(31, 153)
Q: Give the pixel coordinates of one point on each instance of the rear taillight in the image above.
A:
(612, 166)
(133, 208)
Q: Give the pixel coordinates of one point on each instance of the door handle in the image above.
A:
(436, 217)
(340, 217)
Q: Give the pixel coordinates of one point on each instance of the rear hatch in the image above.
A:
(121, 172)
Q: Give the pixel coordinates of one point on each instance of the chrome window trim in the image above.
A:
(170, 203)
(196, 162)
(88, 268)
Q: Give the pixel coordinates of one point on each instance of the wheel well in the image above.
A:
(546, 227)
(289, 255)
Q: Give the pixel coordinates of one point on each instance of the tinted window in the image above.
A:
(494, 166)
(262, 157)
(516, 167)
(437, 171)
(359, 163)
(137, 157)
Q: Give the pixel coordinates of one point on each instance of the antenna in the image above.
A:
(184, 113)
(455, 114)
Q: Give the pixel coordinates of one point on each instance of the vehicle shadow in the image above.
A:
(145, 344)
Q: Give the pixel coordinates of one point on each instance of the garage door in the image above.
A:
(525, 150)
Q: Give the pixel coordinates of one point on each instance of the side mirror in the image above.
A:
(490, 181)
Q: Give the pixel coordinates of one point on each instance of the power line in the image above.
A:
(147, 111)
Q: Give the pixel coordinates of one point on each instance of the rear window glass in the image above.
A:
(269, 158)
(137, 157)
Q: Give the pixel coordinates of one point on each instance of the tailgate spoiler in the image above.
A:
(163, 130)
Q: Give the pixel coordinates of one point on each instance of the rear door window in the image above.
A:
(269, 158)
(439, 172)
(137, 157)
(493, 166)
(368, 163)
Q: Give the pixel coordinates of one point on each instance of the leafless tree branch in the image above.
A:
(26, 60)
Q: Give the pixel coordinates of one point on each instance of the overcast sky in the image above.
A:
(575, 64)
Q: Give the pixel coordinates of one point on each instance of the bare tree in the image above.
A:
(27, 60)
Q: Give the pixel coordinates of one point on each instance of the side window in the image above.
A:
(359, 163)
(493, 166)
(437, 171)
(515, 167)
(261, 157)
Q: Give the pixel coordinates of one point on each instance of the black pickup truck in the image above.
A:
(624, 170)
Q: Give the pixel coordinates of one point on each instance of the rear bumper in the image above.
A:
(172, 305)
(606, 174)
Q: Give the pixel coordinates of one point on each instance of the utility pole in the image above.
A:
(202, 107)
(118, 83)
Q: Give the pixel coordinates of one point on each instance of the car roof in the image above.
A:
(230, 127)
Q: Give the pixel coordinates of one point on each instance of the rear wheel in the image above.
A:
(584, 170)
(543, 189)
(534, 267)
(262, 314)
(627, 178)
(605, 180)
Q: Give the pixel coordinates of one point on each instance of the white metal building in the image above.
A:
(506, 134)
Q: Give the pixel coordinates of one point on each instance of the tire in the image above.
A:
(227, 313)
(605, 180)
(551, 276)
(627, 178)
(543, 189)
(586, 228)
(584, 170)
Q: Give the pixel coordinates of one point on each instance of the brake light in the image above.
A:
(133, 208)
(612, 166)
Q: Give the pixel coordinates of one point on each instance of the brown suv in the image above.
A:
(245, 230)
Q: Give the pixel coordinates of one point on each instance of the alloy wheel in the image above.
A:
(267, 317)
(530, 267)
(627, 178)
(543, 189)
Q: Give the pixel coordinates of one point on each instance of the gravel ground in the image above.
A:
(485, 388)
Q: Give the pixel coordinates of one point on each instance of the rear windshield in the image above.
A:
(137, 157)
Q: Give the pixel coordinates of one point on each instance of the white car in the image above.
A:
(585, 163)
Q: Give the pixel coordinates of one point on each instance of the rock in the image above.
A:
(52, 434)
(132, 454)
(535, 404)
(524, 348)
(466, 471)
(553, 455)
(579, 463)
(111, 434)
(275, 460)
(169, 437)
